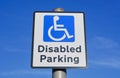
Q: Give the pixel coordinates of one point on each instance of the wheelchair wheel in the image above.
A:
(55, 39)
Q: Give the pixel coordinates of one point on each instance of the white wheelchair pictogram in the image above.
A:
(58, 27)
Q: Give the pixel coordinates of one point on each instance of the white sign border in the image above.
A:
(33, 40)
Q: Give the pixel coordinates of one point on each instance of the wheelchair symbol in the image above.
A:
(58, 27)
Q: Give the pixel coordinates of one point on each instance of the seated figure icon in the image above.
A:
(58, 28)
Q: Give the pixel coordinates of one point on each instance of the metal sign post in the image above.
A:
(59, 41)
(59, 73)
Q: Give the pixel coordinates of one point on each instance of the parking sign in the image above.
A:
(58, 40)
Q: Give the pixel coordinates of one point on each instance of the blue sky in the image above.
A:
(102, 30)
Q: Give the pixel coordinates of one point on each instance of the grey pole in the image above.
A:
(59, 72)
(58, 9)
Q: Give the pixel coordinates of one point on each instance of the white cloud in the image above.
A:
(104, 52)
(24, 72)
(102, 47)
(107, 63)
(99, 42)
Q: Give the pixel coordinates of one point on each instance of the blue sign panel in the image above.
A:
(58, 28)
